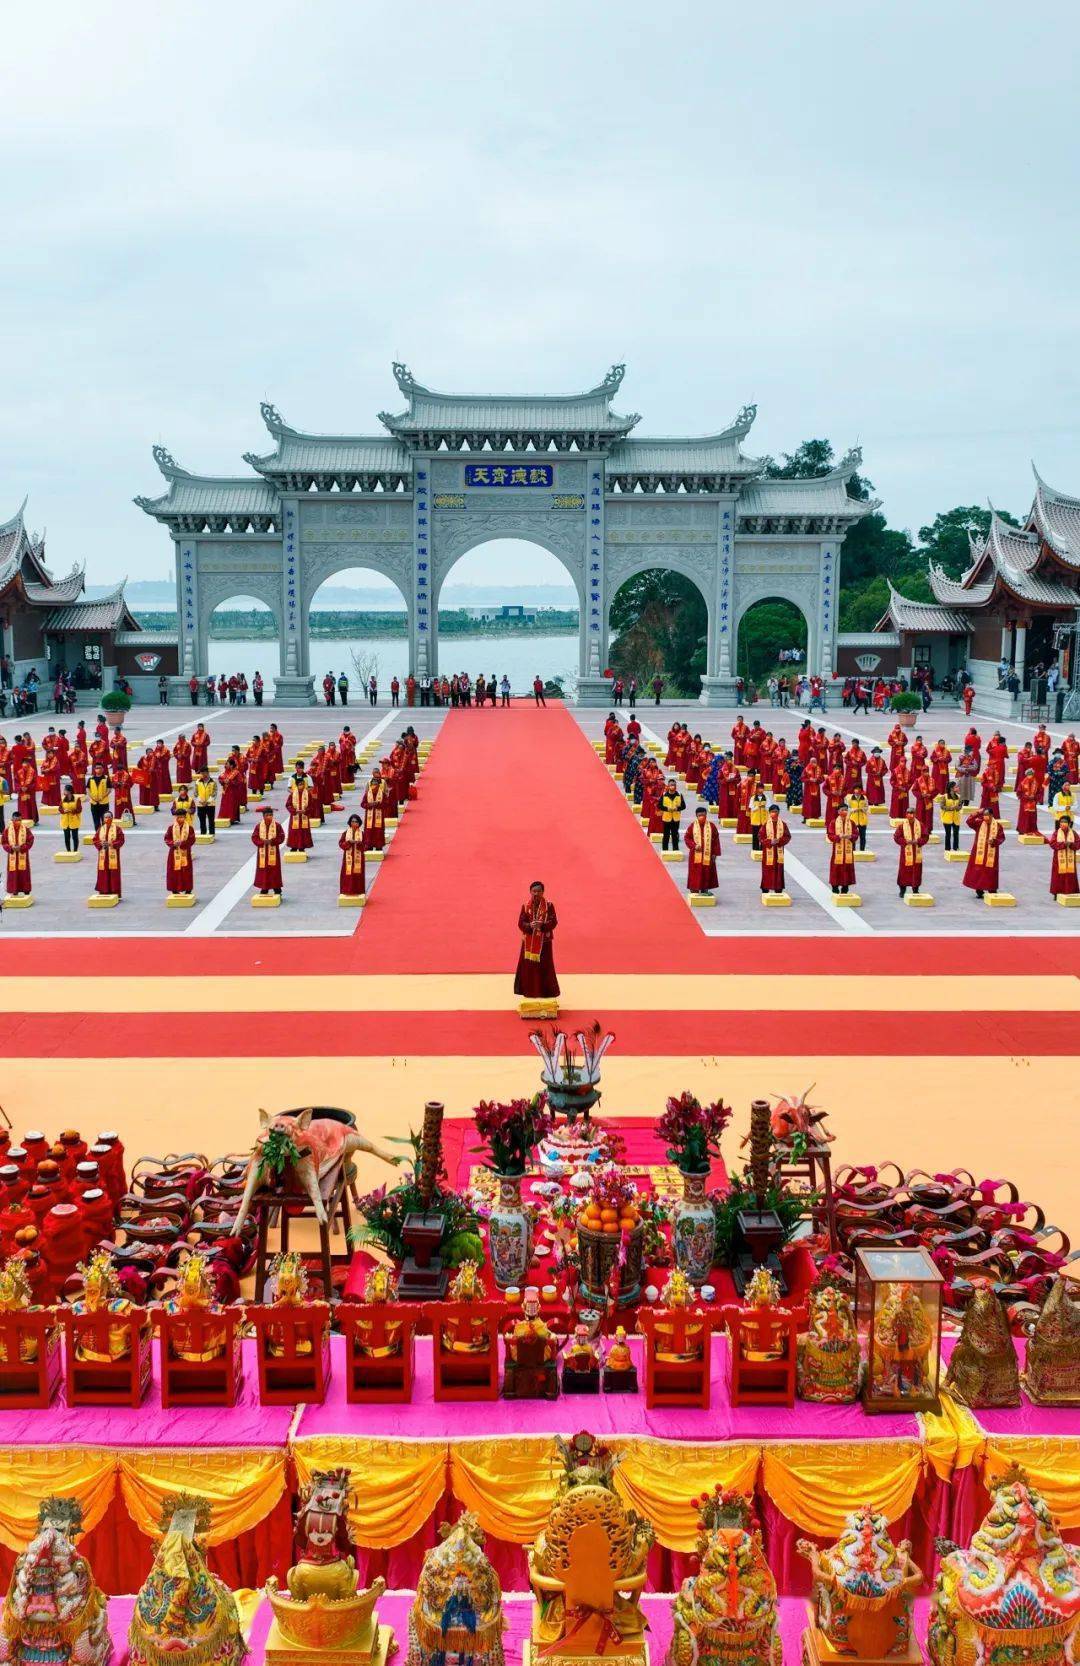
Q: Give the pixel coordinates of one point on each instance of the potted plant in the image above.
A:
(692, 1132)
(907, 707)
(116, 706)
(511, 1132)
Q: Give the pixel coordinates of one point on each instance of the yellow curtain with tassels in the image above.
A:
(399, 1482)
(1052, 1466)
(241, 1486)
(30, 1473)
(816, 1483)
(658, 1479)
(509, 1483)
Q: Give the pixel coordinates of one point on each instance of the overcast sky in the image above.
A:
(862, 218)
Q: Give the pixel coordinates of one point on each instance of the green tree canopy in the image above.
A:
(662, 626)
(945, 540)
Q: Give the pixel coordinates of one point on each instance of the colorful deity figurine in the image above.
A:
(901, 1346)
(863, 1592)
(101, 1294)
(184, 1614)
(53, 1611)
(288, 1281)
(194, 1296)
(828, 1362)
(1013, 1598)
(678, 1297)
(16, 1297)
(1052, 1374)
(587, 1568)
(532, 1353)
(726, 1613)
(322, 1607)
(378, 1334)
(457, 1614)
(983, 1370)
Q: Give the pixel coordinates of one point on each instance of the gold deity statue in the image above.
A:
(587, 1568)
(902, 1344)
(16, 1297)
(194, 1295)
(828, 1365)
(323, 1608)
(101, 1294)
(983, 1370)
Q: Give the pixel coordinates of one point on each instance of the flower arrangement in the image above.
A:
(512, 1131)
(692, 1131)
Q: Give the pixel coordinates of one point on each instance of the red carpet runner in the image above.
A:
(508, 797)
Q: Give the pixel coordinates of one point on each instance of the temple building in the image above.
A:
(1016, 606)
(48, 624)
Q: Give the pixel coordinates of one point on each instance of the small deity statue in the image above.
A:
(184, 1612)
(532, 1353)
(581, 1364)
(289, 1285)
(465, 1289)
(53, 1611)
(828, 1360)
(101, 1294)
(864, 1588)
(983, 1370)
(322, 1608)
(457, 1615)
(1013, 1598)
(17, 1297)
(762, 1333)
(194, 1294)
(587, 1567)
(901, 1345)
(620, 1372)
(379, 1337)
(1052, 1376)
(726, 1613)
(678, 1297)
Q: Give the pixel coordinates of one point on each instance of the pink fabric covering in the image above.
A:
(603, 1414)
(394, 1612)
(246, 1424)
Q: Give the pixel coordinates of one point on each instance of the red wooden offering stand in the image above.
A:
(469, 1370)
(292, 1347)
(105, 1381)
(379, 1351)
(29, 1382)
(193, 1381)
(671, 1331)
(762, 1331)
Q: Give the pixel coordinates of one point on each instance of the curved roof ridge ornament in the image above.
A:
(167, 463)
(405, 379)
(849, 464)
(613, 380)
(273, 419)
(743, 423)
(17, 519)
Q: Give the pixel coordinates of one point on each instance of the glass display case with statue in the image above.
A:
(898, 1311)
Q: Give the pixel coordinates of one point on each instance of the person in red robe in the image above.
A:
(910, 837)
(276, 742)
(108, 842)
(351, 844)
(747, 788)
(26, 789)
(973, 739)
(897, 742)
(182, 754)
(805, 741)
(1070, 751)
(997, 757)
(200, 747)
(968, 698)
(535, 977)
(268, 836)
(1042, 746)
(752, 747)
(49, 781)
(899, 785)
(347, 753)
(854, 764)
(834, 752)
(1063, 842)
(373, 805)
(18, 841)
(990, 784)
(940, 759)
(145, 777)
(738, 740)
(77, 768)
(773, 837)
(298, 803)
(727, 789)
(875, 777)
(766, 759)
(813, 775)
(922, 796)
(702, 840)
(229, 806)
(982, 871)
(842, 838)
(332, 773)
(833, 789)
(179, 863)
(160, 762)
(1028, 794)
(121, 784)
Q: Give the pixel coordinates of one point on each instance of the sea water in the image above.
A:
(519, 657)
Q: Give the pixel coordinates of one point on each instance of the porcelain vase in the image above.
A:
(510, 1234)
(693, 1230)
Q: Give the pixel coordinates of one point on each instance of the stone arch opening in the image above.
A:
(242, 634)
(773, 636)
(357, 621)
(509, 606)
(661, 623)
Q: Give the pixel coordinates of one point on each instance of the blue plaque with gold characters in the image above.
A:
(510, 474)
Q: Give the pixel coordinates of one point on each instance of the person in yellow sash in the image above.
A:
(982, 873)
(1063, 841)
(703, 842)
(910, 836)
(951, 806)
(18, 840)
(70, 816)
(179, 863)
(108, 842)
(351, 843)
(842, 861)
(775, 835)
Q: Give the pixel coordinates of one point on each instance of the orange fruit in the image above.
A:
(611, 1227)
(627, 1222)
(609, 1215)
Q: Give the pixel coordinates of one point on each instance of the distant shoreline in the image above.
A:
(343, 624)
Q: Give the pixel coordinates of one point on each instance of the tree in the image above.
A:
(764, 629)
(945, 541)
(662, 626)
